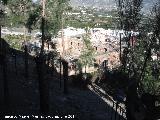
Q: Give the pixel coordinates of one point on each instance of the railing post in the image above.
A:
(107, 108)
(112, 110)
(120, 112)
(115, 115)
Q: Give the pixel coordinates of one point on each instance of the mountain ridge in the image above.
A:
(107, 4)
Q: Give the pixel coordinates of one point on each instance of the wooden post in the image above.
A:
(115, 115)
(65, 76)
(112, 109)
(120, 113)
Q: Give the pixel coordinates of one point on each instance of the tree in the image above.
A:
(150, 80)
(142, 69)
(21, 9)
(129, 17)
(129, 13)
(18, 12)
(87, 55)
(48, 14)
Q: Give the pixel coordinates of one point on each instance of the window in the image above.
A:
(105, 49)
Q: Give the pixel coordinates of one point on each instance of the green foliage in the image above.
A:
(34, 18)
(151, 83)
(4, 1)
(15, 41)
(87, 55)
(140, 65)
(19, 7)
(129, 13)
(54, 10)
(18, 11)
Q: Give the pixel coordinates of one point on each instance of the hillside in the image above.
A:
(107, 4)
(24, 94)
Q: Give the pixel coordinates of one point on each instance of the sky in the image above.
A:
(34, 0)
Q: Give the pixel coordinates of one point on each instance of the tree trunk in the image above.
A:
(26, 62)
(40, 61)
(65, 76)
(43, 85)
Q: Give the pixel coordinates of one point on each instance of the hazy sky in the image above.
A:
(34, 0)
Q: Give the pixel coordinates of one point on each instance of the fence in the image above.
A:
(114, 109)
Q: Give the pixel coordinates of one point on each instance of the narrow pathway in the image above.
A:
(108, 99)
(83, 104)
